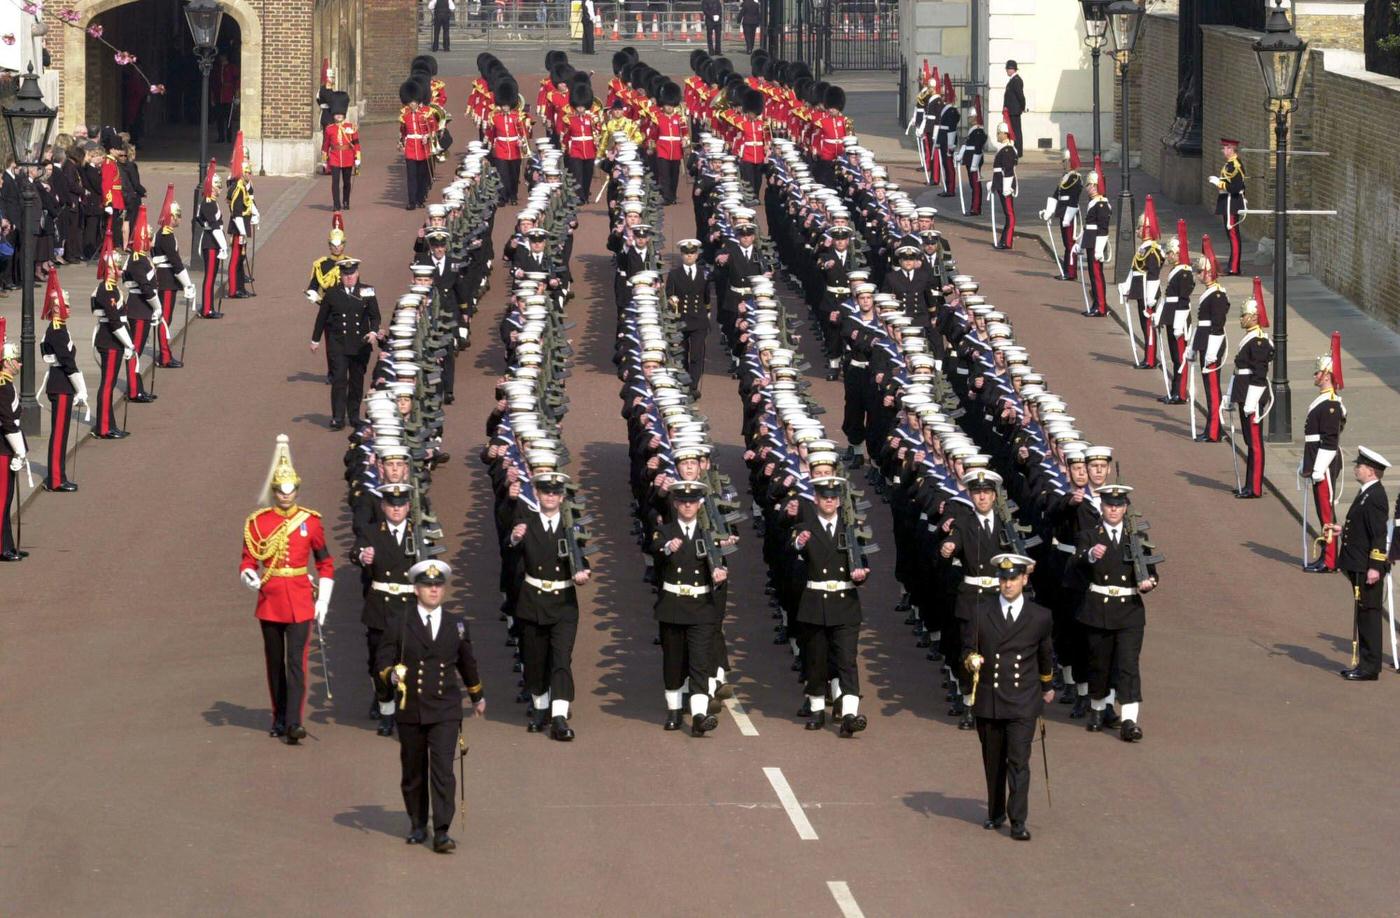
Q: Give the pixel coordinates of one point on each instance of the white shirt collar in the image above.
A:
(431, 618)
(1014, 606)
(549, 520)
(1369, 483)
(827, 521)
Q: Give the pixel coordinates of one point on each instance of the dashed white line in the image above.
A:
(790, 805)
(741, 717)
(844, 900)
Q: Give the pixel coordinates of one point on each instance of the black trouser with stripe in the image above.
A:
(62, 406)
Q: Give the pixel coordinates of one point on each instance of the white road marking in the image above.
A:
(741, 717)
(789, 801)
(844, 900)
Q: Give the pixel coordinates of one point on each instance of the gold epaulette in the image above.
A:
(1377, 555)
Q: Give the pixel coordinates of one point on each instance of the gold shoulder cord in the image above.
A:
(268, 549)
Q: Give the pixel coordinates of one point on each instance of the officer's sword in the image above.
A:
(157, 317)
(1390, 607)
(962, 202)
(992, 210)
(1045, 759)
(1055, 249)
(462, 762)
(1303, 496)
(1191, 387)
(1225, 400)
(189, 303)
(325, 663)
(1128, 321)
(1083, 270)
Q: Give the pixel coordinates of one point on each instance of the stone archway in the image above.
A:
(73, 99)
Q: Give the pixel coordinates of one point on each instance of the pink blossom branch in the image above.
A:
(70, 17)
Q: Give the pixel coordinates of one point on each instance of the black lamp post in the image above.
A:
(1280, 53)
(1095, 36)
(204, 18)
(28, 122)
(1125, 21)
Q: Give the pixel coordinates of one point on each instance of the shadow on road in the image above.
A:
(935, 803)
(1272, 553)
(304, 376)
(1201, 481)
(373, 818)
(228, 714)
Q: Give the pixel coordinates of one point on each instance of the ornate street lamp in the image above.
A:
(29, 123)
(1280, 52)
(204, 18)
(1125, 22)
(1095, 36)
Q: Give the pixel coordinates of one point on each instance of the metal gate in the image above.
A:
(830, 35)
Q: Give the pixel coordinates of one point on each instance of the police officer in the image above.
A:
(1363, 556)
(349, 318)
(688, 292)
(417, 661)
(1007, 644)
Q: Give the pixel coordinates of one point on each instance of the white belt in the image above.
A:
(1064, 547)
(1112, 590)
(1173, 299)
(860, 363)
(681, 589)
(549, 586)
(585, 138)
(752, 143)
(1243, 372)
(415, 137)
(838, 289)
(830, 586)
(1091, 226)
(393, 589)
(668, 137)
(985, 583)
(1312, 438)
(160, 261)
(1200, 324)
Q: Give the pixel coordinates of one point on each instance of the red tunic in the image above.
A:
(416, 127)
(751, 140)
(340, 144)
(439, 92)
(505, 131)
(831, 129)
(581, 135)
(112, 185)
(615, 87)
(286, 555)
(479, 102)
(668, 133)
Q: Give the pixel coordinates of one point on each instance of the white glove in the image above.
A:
(16, 463)
(250, 579)
(1101, 248)
(1318, 474)
(79, 384)
(189, 291)
(1322, 462)
(107, 210)
(1214, 180)
(50, 359)
(1189, 356)
(223, 254)
(313, 296)
(257, 218)
(323, 598)
(128, 353)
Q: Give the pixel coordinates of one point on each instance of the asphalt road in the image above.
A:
(139, 776)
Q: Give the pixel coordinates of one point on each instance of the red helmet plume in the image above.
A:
(140, 240)
(1150, 229)
(165, 214)
(1337, 361)
(235, 166)
(1073, 149)
(1183, 241)
(1006, 120)
(1263, 311)
(55, 304)
(1212, 269)
(1103, 179)
(209, 177)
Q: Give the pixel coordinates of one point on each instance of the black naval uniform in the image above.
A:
(390, 594)
(975, 541)
(346, 316)
(1113, 614)
(829, 610)
(546, 615)
(1017, 667)
(688, 291)
(689, 607)
(430, 719)
(1363, 549)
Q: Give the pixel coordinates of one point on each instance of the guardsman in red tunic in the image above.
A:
(439, 89)
(832, 128)
(340, 151)
(113, 202)
(1322, 452)
(479, 104)
(580, 138)
(285, 541)
(415, 140)
(63, 383)
(751, 140)
(13, 448)
(667, 137)
(506, 132)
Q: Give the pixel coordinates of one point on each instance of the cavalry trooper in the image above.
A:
(974, 144)
(349, 318)
(213, 244)
(386, 552)
(1113, 614)
(171, 275)
(1007, 643)
(970, 539)
(1003, 184)
(1229, 198)
(64, 383)
(689, 606)
(1322, 450)
(325, 272)
(1144, 281)
(547, 609)
(242, 218)
(833, 567)
(688, 292)
(1362, 556)
(285, 540)
(417, 662)
(1250, 388)
(139, 278)
(1209, 343)
(1093, 242)
(112, 340)
(946, 137)
(14, 449)
(1174, 314)
(1062, 208)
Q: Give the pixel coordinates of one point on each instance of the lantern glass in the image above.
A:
(204, 18)
(1125, 20)
(29, 122)
(1280, 52)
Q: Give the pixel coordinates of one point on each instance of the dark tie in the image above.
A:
(831, 530)
(690, 273)
(987, 526)
(1009, 619)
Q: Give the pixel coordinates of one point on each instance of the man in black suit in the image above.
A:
(1013, 100)
(1010, 638)
(1362, 555)
(689, 606)
(750, 17)
(547, 608)
(385, 552)
(1113, 614)
(912, 282)
(688, 292)
(417, 660)
(831, 565)
(713, 11)
(970, 537)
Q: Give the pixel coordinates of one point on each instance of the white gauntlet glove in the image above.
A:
(323, 598)
(250, 579)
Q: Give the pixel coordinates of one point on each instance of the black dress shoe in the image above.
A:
(386, 725)
(278, 730)
(994, 822)
(1318, 567)
(560, 730)
(216, 314)
(833, 375)
(673, 720)
(417, 836)
(805, 710)
(144, 398)
(11, 556)
(1356, 675)
(295, 734)
(373, 709)
(1205, 438)
(66, 488)
(173, 364)
(539, 717)
(1020, 832)
(946, 194)
(817, 721)
(113, 435)
(337, 424)
(1081, 707)
(1095, 724)
(443, 843)
(449, 399)
(968, 721)
(1068, 695)
(1110, 718)
(1171, 400)
(700, 724)
(852, 724)
(1130, 732)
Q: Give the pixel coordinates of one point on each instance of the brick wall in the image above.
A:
(390, 44)
(1156, 100)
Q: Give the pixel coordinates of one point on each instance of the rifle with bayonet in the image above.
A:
(1015, 537)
